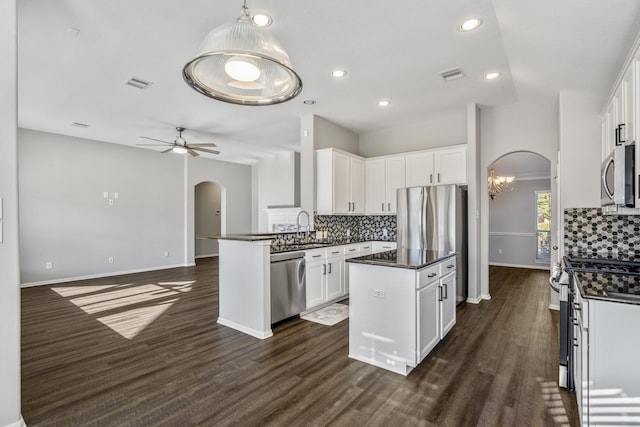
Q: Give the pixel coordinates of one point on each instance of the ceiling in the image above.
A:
(74, 57)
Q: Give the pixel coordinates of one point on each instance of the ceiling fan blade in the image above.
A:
(159, 140)
(150, 145)
(211, 144)
(204, 150)
(167, 150)
(193, 153)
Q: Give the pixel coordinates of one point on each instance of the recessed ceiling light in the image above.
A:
(339, 73)
(309, 101)
(470, 25)
(492, 75)
(384, 103)
(262, 20)
(80, 125)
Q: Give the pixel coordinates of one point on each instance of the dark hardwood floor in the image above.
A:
(145, 350)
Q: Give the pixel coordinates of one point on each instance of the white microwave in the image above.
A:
(617, 172)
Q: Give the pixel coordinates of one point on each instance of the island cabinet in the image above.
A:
(399, 308)
(339, 182)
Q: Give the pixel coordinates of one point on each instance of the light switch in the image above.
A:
(1, 227)
(115, 195)
(105, 194)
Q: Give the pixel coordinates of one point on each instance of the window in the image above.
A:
(543, 225)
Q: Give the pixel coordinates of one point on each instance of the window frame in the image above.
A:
(538, 257)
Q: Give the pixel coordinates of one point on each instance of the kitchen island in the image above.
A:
(401, 304)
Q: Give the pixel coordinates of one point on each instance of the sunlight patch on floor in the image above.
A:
(135, 306)
(553, 402)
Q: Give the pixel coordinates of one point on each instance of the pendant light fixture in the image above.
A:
(242, 63)
(498, 184)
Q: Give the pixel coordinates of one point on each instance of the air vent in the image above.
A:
(138, 83)
(80, 125)
(452, 74)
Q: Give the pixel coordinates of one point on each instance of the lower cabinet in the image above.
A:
(428, 332)
(316, 289)
(335, 278)
(447, 303)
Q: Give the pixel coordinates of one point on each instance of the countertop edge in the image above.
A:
(395, 265)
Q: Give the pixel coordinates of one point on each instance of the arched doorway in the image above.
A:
(207, 218)
(522, 222)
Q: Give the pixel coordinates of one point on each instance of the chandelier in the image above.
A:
(498, 184)
(242, 63)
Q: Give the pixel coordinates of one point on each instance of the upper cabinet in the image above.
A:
(340, 180)
(436, 167)
(383, 176)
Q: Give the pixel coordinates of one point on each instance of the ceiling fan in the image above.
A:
(180, 146)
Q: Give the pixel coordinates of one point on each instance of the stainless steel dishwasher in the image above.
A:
(288, 285)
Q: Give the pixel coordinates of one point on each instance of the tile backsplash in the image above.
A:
(360, 227)
(588, 231)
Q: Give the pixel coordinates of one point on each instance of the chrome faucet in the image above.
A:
(298, 222)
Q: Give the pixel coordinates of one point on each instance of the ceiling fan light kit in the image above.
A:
(244, 64)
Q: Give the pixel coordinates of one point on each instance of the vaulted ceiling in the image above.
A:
(76, 55)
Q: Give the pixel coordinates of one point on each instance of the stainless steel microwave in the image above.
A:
(617, 174)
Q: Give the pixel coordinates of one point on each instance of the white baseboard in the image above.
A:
(249, 331)
(533, 267)
(98, 276)
(474, 300)
(19, 423)
(206, 256)
(554, 307)
(485, 296)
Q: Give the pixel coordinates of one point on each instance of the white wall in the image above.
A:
(506, 129)
(473, 201)
(235, 183)
(277, 184)
(580, 139)
(64, 218)
(512, 224)
(449, 128)
(9, 252)
(328, 134)
(207, 220)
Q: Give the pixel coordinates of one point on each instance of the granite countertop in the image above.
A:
(243, 237)
(403, 258)
(287, 247)
(621, 288)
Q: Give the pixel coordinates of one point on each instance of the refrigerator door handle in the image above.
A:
(422, 222)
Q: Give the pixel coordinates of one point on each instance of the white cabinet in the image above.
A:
(315, 282)
(606, 363)
(383, 176)
(428, 331)
(447, 303)
(436, 167)
(339, 182)
(325, 275)
(383, 246)
(335, 277)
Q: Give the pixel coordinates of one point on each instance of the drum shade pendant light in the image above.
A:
(242, 63)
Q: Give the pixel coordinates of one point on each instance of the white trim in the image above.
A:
(555, 307)
(249, 331)
(97, 276)
(474, 300)
(485, 296)
(533, 176)
(627, 62)
(207, 256)
(511, 234)
(19, 423)
(532, 267)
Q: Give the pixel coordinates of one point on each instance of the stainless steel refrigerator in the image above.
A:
(435, 218)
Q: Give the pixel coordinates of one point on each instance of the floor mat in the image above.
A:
(329, 315)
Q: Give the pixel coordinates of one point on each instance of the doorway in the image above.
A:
(208, 218)
(520, 216)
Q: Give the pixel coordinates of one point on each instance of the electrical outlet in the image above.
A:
(385, 232)
(48, 265)
(110, 260)
(105, 194)
(166, 253)
(348, 233)
(115, 195)
(110, 202)
(378, 293)
(499, 251)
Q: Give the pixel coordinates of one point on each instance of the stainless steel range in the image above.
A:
(564, 279)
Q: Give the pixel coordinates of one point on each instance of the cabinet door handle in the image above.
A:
(446, 290)
(432, 275)
(430, 178)
(389, 204)
(439, 293)
(316, 256)
(382, 206)
(352, 250)
(438, 176)
(620, 133)
(335, 252)
(324, 268)
(354, 206)
(329, 268)
(450, 266)
(577, 306)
